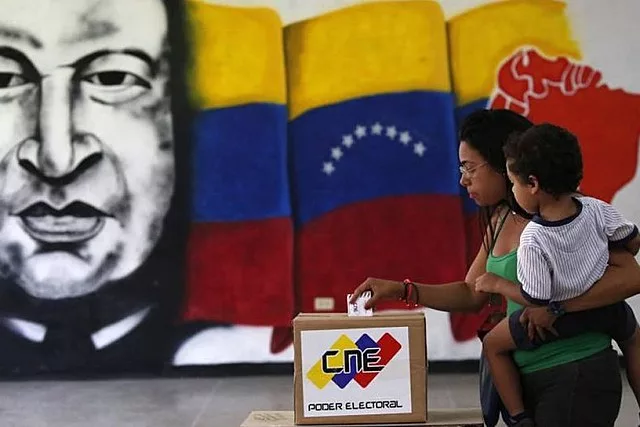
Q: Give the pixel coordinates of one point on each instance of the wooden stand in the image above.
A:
(437, 417)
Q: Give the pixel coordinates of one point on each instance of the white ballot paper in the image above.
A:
(357, 308)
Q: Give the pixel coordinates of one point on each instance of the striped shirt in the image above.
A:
(559, 260)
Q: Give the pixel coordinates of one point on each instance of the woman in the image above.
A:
(570, 382)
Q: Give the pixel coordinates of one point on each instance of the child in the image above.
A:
(563, 251)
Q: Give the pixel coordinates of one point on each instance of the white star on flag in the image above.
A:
(376, 129)
(419, 149)
(361, 131)
(336, 153)
(328, 168)
(347, 141)
(405, 138)
(391, 132)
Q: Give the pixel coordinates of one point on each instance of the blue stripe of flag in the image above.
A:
(240, 164)
(373, 147)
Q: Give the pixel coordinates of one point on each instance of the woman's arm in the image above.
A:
(452, 297)
(620, 281)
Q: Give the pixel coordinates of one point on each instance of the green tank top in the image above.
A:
(552, 354)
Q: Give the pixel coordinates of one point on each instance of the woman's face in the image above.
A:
(485, 186)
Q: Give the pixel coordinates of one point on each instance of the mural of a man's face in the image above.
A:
(86, 144)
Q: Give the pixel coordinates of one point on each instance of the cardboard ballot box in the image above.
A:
(360, 369)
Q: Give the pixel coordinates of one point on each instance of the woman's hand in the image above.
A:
(537, 320)
(381, 289)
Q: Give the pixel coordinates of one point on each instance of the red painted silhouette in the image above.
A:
(606, 121)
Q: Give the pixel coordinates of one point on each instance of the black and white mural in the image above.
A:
(92, 184)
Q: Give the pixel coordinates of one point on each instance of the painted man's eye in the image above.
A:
(8, 80)
(116, 79)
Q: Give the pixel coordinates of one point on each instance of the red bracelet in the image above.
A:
(409, 288)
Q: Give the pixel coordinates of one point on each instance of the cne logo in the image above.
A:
(359, 361)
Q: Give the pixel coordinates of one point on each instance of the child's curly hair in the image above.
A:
(548, 152)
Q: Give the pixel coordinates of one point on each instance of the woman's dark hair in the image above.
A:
(487, 132)
(551, 154)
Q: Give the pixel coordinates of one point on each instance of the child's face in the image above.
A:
(524, 192)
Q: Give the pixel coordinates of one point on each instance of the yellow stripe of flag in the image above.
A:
(377, 47)
(236, 55)
(482, 38)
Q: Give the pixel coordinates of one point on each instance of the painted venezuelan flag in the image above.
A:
(241, 244)
(373, 151)
(481, 40)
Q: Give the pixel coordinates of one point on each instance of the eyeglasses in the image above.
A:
(469, 172)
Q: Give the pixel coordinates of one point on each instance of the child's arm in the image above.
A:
(513, 292)
(533, 272)
(622, 233)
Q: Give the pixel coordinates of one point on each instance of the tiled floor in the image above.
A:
(189, 402)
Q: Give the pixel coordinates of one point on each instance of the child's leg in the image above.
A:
(497, 346)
